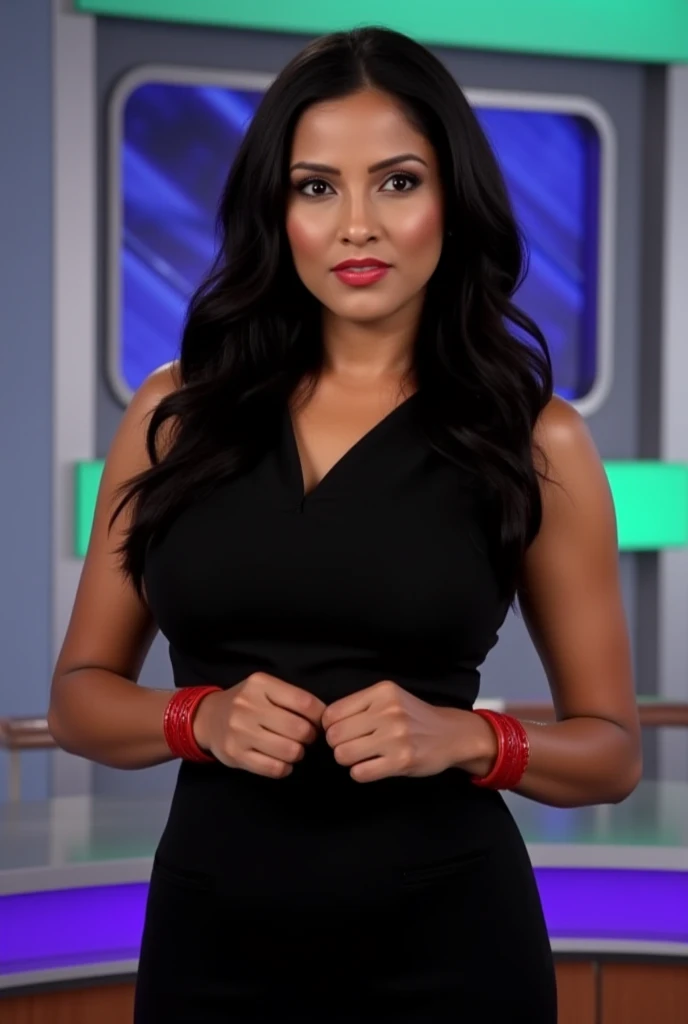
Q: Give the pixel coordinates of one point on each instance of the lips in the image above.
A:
(362, 264)
(361, 273)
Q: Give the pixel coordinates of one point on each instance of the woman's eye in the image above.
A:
(401, 182)
(317, 186)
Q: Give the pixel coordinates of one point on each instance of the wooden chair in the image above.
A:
(18, 735)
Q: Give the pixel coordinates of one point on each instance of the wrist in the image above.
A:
(513, 751)
(178, 723)
(200, 725)
(478, 750)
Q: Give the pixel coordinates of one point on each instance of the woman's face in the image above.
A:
(365, 186)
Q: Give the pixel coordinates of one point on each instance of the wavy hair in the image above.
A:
(252, 333)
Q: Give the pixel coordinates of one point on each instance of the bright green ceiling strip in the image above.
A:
(651, 501)
(639, 30)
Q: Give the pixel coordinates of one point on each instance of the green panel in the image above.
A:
(641, 30)
(86, 483)
(651, 501)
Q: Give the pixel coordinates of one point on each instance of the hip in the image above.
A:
(460, 934)
(342, 844)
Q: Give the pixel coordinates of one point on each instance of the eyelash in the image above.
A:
(412, 178)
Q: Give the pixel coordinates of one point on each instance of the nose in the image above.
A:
(358, 224)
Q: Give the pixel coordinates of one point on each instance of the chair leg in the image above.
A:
(15, 776)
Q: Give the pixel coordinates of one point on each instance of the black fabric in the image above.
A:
(316, 898)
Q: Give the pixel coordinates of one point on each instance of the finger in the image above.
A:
(288, 724)
(271, 767)
(373, 770)
(293, 698)
(350, 729)
(358, 750)
(354, 704)
(279, 747)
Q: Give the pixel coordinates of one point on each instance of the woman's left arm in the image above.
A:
(570, 598)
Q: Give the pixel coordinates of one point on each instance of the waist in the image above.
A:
(330, 673)
(321, 829)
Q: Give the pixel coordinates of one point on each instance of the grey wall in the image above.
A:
(25, 369)
(513, 668)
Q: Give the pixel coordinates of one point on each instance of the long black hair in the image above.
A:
(253, 334)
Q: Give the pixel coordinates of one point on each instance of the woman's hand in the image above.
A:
(384, 731)
(262, 724)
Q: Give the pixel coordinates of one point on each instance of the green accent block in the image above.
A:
(86, 483)
(651, 501)
(650, 498)
(638, 30)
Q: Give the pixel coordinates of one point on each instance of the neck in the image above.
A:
(368, 352)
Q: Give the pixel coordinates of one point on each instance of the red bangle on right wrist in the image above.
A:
(178, 723)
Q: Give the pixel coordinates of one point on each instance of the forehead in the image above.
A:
(367, 120)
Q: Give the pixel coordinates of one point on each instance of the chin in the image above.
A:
(364, 309)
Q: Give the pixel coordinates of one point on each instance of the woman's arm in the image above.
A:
(571, 603)
(97, 710)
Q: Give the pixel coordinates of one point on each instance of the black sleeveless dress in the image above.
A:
(315, 898)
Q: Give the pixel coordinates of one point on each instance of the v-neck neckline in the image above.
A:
(305, 497)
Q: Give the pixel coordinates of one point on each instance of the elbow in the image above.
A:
(62, 736)
(629, 781)
(54, 725)
(628, 766)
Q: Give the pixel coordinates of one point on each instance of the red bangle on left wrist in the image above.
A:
(513, 751)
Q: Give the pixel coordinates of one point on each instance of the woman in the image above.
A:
(328, 506)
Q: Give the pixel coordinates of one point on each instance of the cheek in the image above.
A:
(306, 236)
(421, 229)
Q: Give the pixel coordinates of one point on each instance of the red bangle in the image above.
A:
(178, 722)
(513, 751)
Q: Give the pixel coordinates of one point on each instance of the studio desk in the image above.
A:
(613, 881)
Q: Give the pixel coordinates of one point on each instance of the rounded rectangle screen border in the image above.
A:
(599, 304)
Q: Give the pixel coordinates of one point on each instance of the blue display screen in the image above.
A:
(178, 141)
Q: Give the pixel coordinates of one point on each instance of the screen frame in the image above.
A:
(578, 105)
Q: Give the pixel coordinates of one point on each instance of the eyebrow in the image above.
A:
(304, 165)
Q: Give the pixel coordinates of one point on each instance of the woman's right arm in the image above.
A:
(97, 709)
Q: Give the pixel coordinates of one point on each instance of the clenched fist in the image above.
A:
(263, 724)
(384, 730)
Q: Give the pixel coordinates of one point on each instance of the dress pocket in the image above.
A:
(421, 875)
(187, 878)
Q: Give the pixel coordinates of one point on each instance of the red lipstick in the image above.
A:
(362, 271)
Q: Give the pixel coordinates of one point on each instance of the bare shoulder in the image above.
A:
(158, 384)
(129, 454)
(561, 433)
(565, 455)
(576, 497)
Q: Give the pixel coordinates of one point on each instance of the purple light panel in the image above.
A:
(40, 931)
(73, 927)
(611, 903)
